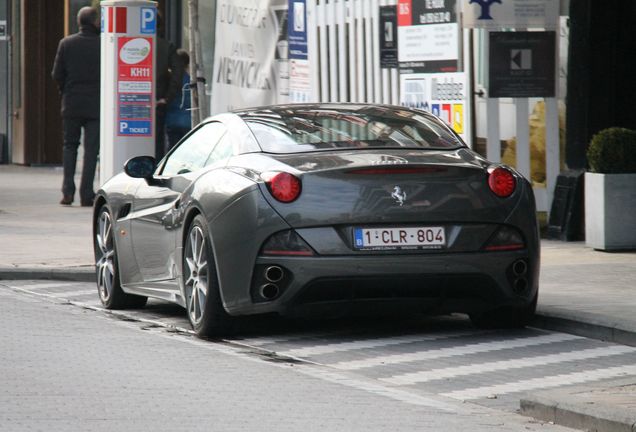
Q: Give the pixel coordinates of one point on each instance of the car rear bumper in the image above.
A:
(467, 282)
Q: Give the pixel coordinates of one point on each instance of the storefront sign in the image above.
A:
(428, 35)
(388, 37)
(497, 14)
(299, 81)
(522, 64)
(249, 55)
(443, 95)
(297, 30)
(3, 30)
(134, 86)
(282, 53)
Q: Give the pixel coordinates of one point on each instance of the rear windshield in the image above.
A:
(294, 131)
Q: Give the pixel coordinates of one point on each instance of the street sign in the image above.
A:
(428, 36)
(522, 64)
(148, 17)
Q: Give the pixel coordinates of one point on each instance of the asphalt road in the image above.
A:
(386, 374)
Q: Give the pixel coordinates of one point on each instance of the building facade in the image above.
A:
(601, 54)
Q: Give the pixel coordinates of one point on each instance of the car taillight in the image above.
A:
(502, 182)
(283, 186)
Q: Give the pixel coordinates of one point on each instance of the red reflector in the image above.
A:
(502, 182)
(396, 170)
(504, 247)
(284, 187)
(288, 252)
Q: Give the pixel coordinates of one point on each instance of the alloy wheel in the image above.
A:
(196, 272)
(105, 264)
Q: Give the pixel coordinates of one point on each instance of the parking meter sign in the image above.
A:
(134, 86)
(148, 17)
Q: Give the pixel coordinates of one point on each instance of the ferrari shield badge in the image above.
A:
(398, 195)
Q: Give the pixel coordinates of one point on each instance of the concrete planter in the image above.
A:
(610, 211)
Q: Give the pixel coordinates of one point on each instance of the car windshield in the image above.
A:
(293, 130)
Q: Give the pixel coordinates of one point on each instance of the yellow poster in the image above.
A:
(458, 118)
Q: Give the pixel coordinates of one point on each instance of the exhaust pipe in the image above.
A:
(269, 291)
(519, 268)
(274, 274)
(520, 285)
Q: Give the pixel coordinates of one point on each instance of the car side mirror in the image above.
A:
(140, 167)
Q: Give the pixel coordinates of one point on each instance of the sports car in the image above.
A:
(324, 209)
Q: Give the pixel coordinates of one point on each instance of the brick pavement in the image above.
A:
(63, 368)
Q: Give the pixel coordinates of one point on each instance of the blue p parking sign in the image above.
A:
(148, 17)
(134, 128)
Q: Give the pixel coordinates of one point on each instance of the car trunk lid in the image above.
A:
(397, 187)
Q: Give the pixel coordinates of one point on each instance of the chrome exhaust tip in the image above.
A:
(269, 291)
(274, 274)
(519, 268)
(520, 285)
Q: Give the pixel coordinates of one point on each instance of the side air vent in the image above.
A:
(123, 211)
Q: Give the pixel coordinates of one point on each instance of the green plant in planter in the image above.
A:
(613, 151)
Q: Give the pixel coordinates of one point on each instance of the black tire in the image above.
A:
(203, 299)
(107, 269)
(508, 317)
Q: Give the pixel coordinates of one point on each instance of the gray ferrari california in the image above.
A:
(319, 209)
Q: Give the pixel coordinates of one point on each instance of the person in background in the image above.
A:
(76, 70)
(169, 77)
(178, 115)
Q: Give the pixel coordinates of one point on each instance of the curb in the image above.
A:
(547, 320)
(595, 330)
(568, 410)
(75, 274)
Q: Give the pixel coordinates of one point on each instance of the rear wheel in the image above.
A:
(106, 268)
(508, 317)
(203, 299)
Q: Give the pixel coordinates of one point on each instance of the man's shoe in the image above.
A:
(87, 203)
(67, 200)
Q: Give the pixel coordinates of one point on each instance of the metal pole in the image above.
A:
(193, 12)
(196, 53)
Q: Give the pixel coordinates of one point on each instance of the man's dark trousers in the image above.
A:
(72, 132)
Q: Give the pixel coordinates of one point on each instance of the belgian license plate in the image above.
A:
(400, 238)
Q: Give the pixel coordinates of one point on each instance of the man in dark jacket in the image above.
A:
(76, 70)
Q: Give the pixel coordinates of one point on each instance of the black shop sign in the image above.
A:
(522, 64)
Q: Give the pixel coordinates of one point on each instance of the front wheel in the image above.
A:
(108, 285)
(203, 299)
